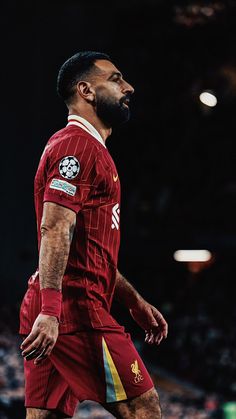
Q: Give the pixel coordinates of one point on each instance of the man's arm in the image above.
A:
(146, 315)
(56, 234)
(125, 292)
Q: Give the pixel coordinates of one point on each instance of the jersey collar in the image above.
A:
(85, 125)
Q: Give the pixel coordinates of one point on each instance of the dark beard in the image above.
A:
(110, 111)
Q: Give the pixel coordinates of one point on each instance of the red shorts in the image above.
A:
(103, 366)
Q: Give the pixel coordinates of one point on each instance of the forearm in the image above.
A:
(146, 315)
(125, 293)
(53, 256)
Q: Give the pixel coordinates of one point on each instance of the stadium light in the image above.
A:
(192, 255)
(208, 99)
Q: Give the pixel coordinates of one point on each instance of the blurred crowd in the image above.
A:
(205, 356)
(201, 346)
(11, 377)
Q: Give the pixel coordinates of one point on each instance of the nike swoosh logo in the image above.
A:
(115, 178)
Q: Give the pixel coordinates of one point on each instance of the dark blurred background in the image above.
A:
(176, 160)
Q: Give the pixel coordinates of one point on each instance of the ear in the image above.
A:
(86, 91)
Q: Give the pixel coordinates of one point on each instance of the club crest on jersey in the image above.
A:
(69, 167)
(136, 371)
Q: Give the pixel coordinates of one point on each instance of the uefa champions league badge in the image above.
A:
(69, 167)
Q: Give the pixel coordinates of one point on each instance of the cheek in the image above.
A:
(115, 90)
(110, 94)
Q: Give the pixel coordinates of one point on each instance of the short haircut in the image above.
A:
(74, 69)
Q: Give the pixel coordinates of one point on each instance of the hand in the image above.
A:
(42, 338)
(152, 321)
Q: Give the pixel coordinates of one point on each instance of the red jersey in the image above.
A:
(77, 172)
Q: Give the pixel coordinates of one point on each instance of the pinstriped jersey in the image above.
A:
(77, 171)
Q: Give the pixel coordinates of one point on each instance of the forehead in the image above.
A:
(106, 67)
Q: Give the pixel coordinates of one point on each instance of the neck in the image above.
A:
(92, 118)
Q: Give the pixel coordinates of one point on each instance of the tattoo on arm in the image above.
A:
(56, 235)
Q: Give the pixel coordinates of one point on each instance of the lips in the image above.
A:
(126, 102)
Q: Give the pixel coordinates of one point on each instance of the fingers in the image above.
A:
(40, 354)
(149, 338)
(158, 339)
(40, 342)
(44, 354)
(32, 354)
(165, 329)
(29, 339)
(40, 348)
(162, 324)
(33, 347)
(154, 336)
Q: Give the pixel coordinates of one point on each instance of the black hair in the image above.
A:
(74, 69)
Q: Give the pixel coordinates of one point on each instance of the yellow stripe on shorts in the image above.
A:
(118, 388)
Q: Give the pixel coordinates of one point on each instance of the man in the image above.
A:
(74, 349)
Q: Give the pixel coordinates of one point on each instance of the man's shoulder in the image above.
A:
(68, 133)
(71, 139)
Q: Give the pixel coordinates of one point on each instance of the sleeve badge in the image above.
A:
(69, 167)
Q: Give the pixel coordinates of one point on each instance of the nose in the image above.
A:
(127, 88)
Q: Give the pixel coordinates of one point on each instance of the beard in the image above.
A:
(111, 111)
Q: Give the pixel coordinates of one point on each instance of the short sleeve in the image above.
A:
(71, 174)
